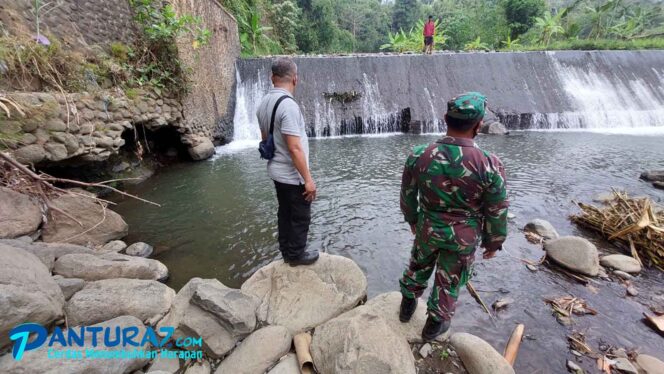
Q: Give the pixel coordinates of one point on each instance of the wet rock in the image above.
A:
(287, 365)
(200, 368)
(532, 268)
(165, 365)
(542, 228)
(139, 250)
(622, 275)
(650, 364)
(574, 253)
(658, 185)
(55, 151)
(360, 343)
(89, 214)
(109, 266)
(303, 297)
(478, 356)
(632, 291)
(426, 350)
(574, 368)
(202, 149)
(494, 128)
(20, 216)
(387, 306)
(37, 361)
(257, 352)
(105, 299)
(623, 365)
(621, 262)
(222, 316)
(114, 246)
(27, 292)
(653, 176)
(69, 286)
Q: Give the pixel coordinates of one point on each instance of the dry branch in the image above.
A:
(633, 222)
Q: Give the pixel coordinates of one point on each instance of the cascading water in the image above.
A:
(375, 94)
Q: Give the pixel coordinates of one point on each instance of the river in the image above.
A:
(218, 219)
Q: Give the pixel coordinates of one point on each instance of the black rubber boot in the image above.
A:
(407, 309)
(432, 329)
(307, 258)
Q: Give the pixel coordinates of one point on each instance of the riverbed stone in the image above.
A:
(37, 361)
(21, 215)
(202, 367)
(304, 297)
(621, 262)
(114, 246)
(257, 352)
(165, 365)
(27, 292)
(106, 299)
(286, 365)
(109, 266)
(98, 224)
(139, 249)
(202, 149)
(542, 228)
(47, 252)
(653, 175)
(658, 185)
(574, 253)
(493, 128)
(387, 306)
(30, 154)
(220, 315)
(360, 343)
(478, 356)
(650, 364)
(69, 286)
(623, 365)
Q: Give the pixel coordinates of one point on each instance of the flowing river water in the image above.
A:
(218, 219)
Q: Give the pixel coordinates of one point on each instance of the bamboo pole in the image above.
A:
(513, 344)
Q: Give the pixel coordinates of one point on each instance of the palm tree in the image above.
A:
(549, 26)
(254, 34)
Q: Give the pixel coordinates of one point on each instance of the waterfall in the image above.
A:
(378, 94)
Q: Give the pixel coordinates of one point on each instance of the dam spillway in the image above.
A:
(370, 94)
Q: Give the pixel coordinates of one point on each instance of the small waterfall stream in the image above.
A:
(533, 91)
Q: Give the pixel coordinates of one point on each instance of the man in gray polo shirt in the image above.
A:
(289, 169)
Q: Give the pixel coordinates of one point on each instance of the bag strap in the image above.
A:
(274, 111)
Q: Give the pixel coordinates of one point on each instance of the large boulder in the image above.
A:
(27, 292)
(21, 215)
(653, 175)
(257, 352)
(360, 343)
(220, 315)
(47, 252)
(621, 262)
(478, 356)
(37, 361)
(650, 364)
(109, 266)
(387, 306)
(139, 249)
(202, 367)
(69, 286)
(574, 253)
(201, 148)
(94, 223)
(286, 365)
(542, 228)
(303, 297)
(106, 299)
(494, 128)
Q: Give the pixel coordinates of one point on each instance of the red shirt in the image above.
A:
(429, 29)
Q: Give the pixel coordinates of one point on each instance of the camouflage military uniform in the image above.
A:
(455, 194)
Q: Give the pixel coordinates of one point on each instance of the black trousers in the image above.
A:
(294, 219)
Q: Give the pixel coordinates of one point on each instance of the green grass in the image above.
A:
(597, 44)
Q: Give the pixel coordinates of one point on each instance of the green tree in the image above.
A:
(521, 14)
(285, 18)
(405, 14)
(549, 26)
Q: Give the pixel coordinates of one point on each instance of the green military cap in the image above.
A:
(470, 105)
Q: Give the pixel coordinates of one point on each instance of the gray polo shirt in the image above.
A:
(287, 121)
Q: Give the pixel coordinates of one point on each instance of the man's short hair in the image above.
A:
(461, 124)
(430, 17)
(284, 67)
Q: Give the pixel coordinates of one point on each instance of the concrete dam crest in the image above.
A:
(373, 94)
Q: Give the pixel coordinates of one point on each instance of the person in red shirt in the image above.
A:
(429, 32)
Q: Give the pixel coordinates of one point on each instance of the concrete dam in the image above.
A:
(372, 94)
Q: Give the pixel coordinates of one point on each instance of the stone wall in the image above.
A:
(79, 23)
(208, 108)
(86, 126)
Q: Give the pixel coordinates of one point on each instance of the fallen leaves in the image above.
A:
(569, 305)
(656, 321)
(533, 238)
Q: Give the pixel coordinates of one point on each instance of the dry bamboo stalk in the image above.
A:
(513, 344)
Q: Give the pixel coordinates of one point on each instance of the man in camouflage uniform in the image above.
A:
(452, 194)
